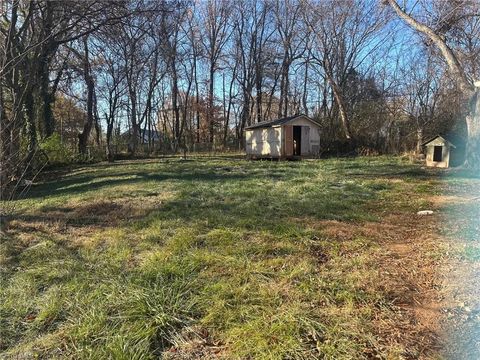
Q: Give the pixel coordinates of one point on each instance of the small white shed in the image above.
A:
(291, 137)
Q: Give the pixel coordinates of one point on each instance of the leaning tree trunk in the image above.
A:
(337, 93)
(472, 153)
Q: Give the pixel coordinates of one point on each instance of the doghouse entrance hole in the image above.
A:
(437, 153)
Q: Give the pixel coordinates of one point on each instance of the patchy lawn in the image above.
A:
(226, 258)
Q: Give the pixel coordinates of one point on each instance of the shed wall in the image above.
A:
(265, 141)
(314, 135)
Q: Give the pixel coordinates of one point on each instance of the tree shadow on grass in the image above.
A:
(243, 203)
(225, 197)
(92, 182)
(267, 210)
(394, 172)
(390, 171)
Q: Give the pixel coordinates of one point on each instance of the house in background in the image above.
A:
(144, 135)
(290, 137)
(444, 151)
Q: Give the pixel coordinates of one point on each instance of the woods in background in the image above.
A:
(86, 77)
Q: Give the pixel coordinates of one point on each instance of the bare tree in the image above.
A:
(216, 34)
(88, 75)
(140, 56)
(423, 82)
(193, 33)
(112, 87)
(346, 33)
(31, 35)
(288, 22)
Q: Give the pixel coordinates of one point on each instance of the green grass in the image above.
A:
(207, 257)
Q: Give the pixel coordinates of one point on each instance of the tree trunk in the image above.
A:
(419, 141)
(110, 153)
(197, 116)
(176, 110)
(151, 137)
(187, 125)
(325, 98)
(258, 84)
(87, 127)
(210, 105)
(245, 115)
(133, 119)
(30, 129)
(285, 91)
(472, 153)
(341, 106)
(305, 95)
(197, 99)
(229, 107)
(110, 119)
(46, 97)
(282, 99)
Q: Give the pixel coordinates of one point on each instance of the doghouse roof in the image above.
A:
(276, 122)
(445, 138)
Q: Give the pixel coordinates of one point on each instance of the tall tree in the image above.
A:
(215, 36)
(288, 25)
(346, 33)
(86, 64)
(423, 82)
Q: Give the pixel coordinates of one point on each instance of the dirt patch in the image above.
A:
(430, 279)
(410, 278)
(445, 200)
(100, 213)
(81, 220)
(195, 343)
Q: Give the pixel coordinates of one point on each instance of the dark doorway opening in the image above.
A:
(437, 153)
(297, 140)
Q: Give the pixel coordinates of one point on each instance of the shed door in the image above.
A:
(305, 140)
(288, 140)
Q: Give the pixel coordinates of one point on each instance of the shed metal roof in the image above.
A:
(276, 122)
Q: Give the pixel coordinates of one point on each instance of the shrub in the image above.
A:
(57, 152)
